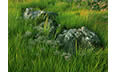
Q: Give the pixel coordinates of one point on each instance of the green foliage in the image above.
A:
(71, 20)
(46, 26)
(23, 57)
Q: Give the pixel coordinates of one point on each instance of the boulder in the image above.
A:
(48, 20)
(72, 38)
(30, 14)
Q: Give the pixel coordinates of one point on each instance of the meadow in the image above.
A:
(30, 58)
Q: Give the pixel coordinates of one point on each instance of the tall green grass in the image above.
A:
(25, 57)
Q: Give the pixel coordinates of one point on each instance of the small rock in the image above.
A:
(27, 34)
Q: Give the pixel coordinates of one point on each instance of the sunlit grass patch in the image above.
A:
(72, 20)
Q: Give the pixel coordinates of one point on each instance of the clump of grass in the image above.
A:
(46, 26)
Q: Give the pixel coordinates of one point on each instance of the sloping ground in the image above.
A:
(40, 58)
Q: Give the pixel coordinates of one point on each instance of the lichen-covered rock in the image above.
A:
(66, 40)
(48, 23)
(90, 37)
(72, 38)
(30, 14)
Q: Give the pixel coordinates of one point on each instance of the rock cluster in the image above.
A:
(93, 4)
(68, 40)
(99, 5)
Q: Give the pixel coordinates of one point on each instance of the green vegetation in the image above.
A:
(23, 57)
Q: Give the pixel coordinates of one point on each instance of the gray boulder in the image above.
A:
(72, 38)
(30, 14)
(47, 19)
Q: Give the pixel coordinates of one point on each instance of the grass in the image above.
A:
(25, 57)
